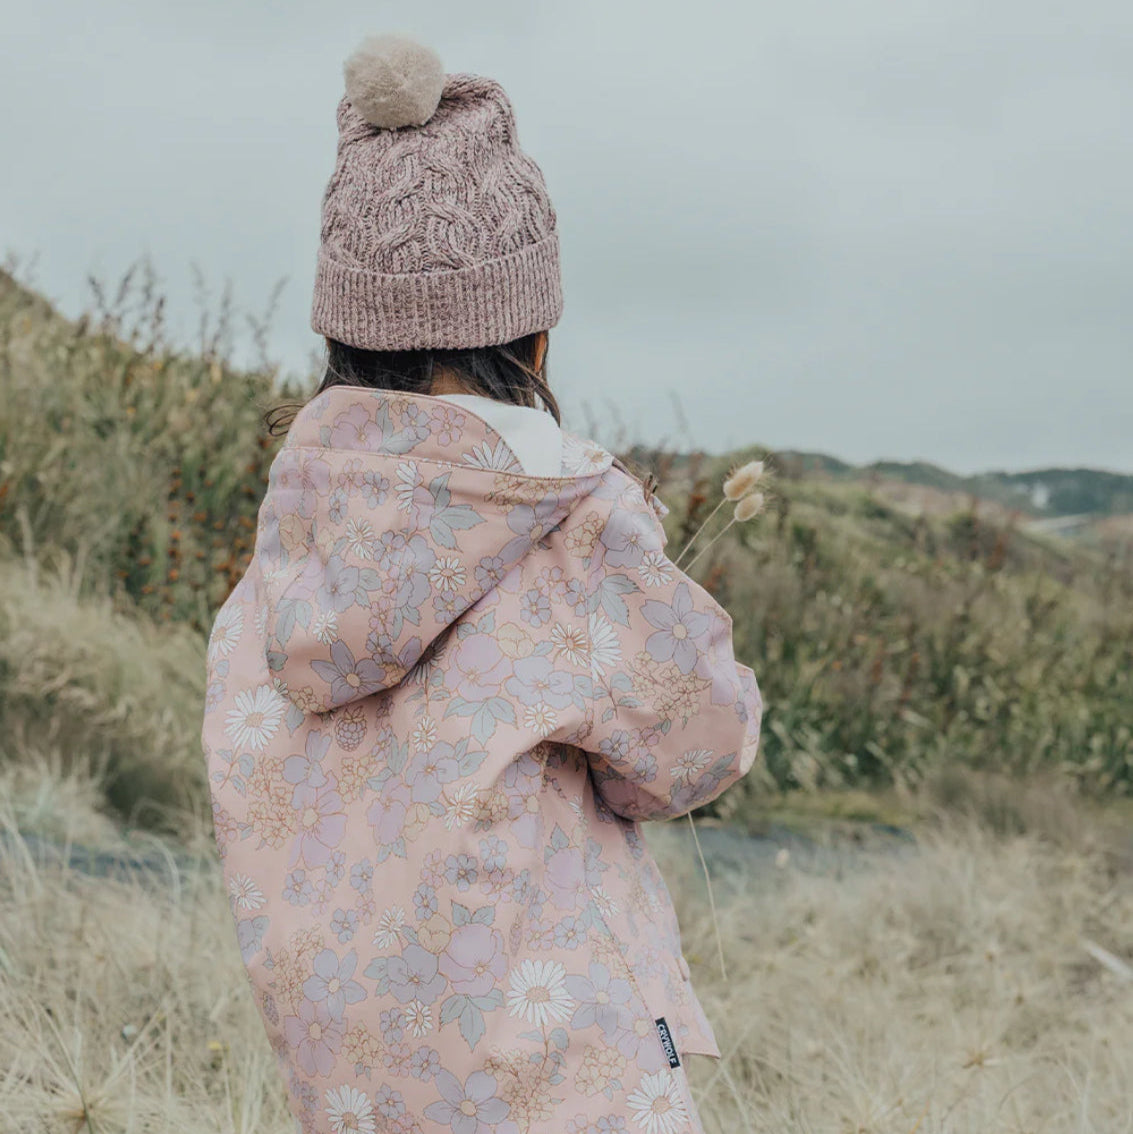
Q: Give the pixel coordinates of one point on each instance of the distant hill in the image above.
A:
(1039, 493)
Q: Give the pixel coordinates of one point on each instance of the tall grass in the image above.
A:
(887, 645)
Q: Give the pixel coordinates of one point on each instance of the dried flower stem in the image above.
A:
(695, 535)
(688, 565)
(711, 897)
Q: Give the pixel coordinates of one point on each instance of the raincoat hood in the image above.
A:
(386, 517)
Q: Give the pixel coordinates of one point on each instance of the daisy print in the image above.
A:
(324, 626)
(447, 574)
(484, 455)
(460, 806)
(654, 569)
(569, 642)
(418, 1018)
(390, 925)
(349, 1111)
(538, 993)
(425, 734)
(225, 632)
(360, 538)
(686, 767)
(541, 718)
(245, 892)
(255, 718)
(605, 649)
(657, 1105)
(408, 481)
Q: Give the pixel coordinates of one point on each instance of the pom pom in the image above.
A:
(394, 81)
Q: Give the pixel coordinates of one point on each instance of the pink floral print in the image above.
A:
(439, 703)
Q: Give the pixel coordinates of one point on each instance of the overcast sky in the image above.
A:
(878, 228)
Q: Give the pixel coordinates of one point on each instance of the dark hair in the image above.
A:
(505, 373)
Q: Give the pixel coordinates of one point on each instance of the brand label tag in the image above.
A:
(667, 1042)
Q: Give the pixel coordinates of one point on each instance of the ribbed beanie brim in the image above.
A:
(489, 303)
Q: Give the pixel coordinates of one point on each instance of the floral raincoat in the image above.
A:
(440, 700)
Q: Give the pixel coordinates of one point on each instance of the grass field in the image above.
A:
(946, 671)
(951, 989)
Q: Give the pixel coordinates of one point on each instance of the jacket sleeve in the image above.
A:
(674, 719)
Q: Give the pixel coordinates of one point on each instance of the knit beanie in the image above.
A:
(437, 229)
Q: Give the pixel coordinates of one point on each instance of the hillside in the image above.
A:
(891, 639)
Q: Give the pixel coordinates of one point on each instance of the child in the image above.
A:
(458, 671)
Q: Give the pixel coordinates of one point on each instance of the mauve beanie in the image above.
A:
(437, 230)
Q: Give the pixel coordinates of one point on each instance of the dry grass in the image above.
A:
(948, 991)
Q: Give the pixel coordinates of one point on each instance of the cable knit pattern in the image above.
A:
(439, 235)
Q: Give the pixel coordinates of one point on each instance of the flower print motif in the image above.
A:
(600, 998)
(344, 924)
(493, 853)
(461, 871)
(322, 824)
(498, 457)
(297, 889)
(570, 933)
(480, 667)
(375, 488)
(577, 597)
(425, 1064)
(409, 479)
(535, 607)
(315, 1036)
(657, 1104)
(214, 695)
(349, 678)
(226, 630)
(332, 983)
(324, 626)
(308, 768)
(471, 1107)
(637, 1041)
(360, 538)
(447, 574)
(605, 648)
(388, 812)
(490, 572)
(336, 505)
(679, 627)
(430, 770)
(534, 521)
(535, 679)
(413, 976)
(446, 424)
(256, 717)
(355, 428)
(474, 959)
(362, 875)
(336, 868)
(607, 1124)
(627, 536)
(390, 925)
(569, 642)
(418, 1018)
(425, 734)
(654, 569)
(690, 763)
(245, 892)
(538, 993)
(339, 586)
(566, 879)
(460, 806)
(540, 718)
(349, 1111)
